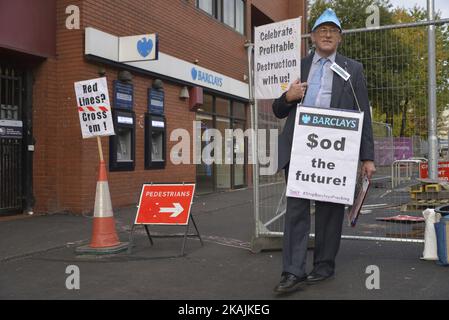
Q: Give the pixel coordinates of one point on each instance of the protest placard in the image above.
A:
(277, 57)
(94, 108)
(325, 154)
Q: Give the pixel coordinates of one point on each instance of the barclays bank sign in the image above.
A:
(201, 76)
(144, 47)
(142, 52)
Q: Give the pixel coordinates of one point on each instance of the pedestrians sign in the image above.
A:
(165, 204)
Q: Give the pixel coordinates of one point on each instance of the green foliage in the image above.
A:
(395, 62)
(351, 13)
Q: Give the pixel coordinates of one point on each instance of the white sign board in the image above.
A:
(277, 57)
(106, 46)
(138, 48)
(325, 155)
(94, 108)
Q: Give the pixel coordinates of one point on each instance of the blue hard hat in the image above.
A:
(327, 16)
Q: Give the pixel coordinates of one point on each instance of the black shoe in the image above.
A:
(289, 283)
(316, 278)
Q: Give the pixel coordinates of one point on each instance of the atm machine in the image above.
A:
(155, 130)
(122, 146)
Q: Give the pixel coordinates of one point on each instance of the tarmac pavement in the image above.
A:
(35, 252)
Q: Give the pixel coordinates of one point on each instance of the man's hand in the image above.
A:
(296, 91)
(368, 168)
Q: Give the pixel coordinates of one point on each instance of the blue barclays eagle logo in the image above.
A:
(144, 47)
(306, 118)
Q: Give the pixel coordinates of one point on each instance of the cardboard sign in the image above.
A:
(325, 154)
(277, 57)
(165, 204)
(354, 212)
(94, 108)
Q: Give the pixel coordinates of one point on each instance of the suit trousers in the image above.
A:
(328, 226)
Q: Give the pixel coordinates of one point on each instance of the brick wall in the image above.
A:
(65, 165)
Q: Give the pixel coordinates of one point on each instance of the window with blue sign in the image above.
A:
(230, 12)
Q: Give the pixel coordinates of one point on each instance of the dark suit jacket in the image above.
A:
(342, 97)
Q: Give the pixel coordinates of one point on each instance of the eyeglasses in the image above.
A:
(324, 31)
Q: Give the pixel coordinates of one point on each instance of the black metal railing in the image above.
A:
(11, 157)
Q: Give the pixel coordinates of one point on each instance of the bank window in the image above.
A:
(238, 110)
(222, 107)
(230, 12)
(239, 16)
(208, 104)
(230, 169)
(205, 5)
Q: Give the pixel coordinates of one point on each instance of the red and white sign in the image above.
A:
(443, 170)
(165, 204)
(94, 109)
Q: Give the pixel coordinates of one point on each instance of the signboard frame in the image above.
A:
(11, 129)
(120, 88)
(186, 225)
(156, 96)
(443, 170)
(94, 108)
(143, 47)
(277, 57)
(326, 173)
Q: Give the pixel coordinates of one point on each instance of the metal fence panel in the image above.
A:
(395, 65)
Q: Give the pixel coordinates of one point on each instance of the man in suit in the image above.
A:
(319, 86)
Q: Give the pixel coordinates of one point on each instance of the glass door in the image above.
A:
(204, 172)
(223, 169)
(239, 154)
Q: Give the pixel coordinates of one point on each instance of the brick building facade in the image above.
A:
(59, 172)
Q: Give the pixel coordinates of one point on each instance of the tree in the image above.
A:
(382, 70)
(395, 62)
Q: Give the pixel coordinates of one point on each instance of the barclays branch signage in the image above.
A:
(138, 48)
(145, 46)
(141, 52)
(198, 75)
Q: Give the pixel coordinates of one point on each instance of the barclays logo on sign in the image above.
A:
(198, 75)
(144, 46)
(326, 121)
(306, 119)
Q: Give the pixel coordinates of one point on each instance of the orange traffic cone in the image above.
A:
(104, 237)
